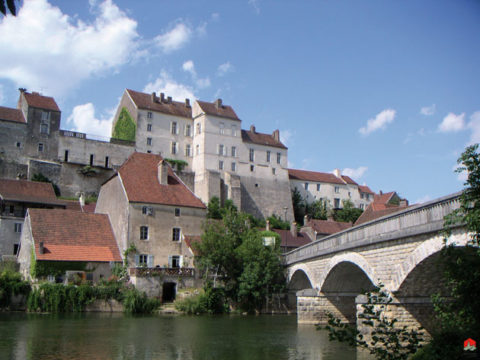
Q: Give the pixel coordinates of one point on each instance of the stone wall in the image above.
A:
(153, 285)
(313, 308)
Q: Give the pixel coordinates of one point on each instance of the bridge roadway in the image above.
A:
(399, 250)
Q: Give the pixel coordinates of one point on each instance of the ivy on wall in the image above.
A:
(56, 268)
(177, 164)
(125, 127)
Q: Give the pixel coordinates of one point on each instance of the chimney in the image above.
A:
(276, 135)
(268, 225)
(169, 99)
(41, 249)
(380, 192)
(163, 172)
(305, 220)
(22, 90)
(154, 97)
(252, 128)
(187, 103)
(337, 173)
(218, 103)
(293, 228)
(162, 97)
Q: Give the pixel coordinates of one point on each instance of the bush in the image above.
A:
(136, 302)
(211, 301)
(11, 283)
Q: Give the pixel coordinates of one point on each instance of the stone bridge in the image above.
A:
(400, 251)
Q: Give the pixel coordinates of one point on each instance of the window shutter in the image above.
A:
(150, 261)
(181, 261)
(137, 260)
(169, 261)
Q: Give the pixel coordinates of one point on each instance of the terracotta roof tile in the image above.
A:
(69, 235)
(377, 210)
(327, 227)
(144, 101)
(314, 176)
(71, 204)
(365, 189)
(10, 114)
(291, 241)
(90, 207)
(39, 101)
(383, 198)
(349, 180)
(261, 139)
(28, 191)
(222, 110)
(139, 175)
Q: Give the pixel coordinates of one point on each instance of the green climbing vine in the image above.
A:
(125, 127)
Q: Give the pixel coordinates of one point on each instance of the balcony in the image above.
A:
(158, 271)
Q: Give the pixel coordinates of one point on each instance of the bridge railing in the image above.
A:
(414, 220)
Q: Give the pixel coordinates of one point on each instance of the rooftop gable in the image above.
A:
(10, 114)
(69, 235)
(314, 176)
(365, 189)
(37, 100)
(349, 180)
(255, 137)
(217, 108)
(160, 104)
(328, 227)
(290, 240)
(28, 191)
(139, 175)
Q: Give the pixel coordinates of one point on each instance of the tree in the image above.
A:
(11, 7)
(318, 209)
(298, 206)
(277, 223)
(349, 213)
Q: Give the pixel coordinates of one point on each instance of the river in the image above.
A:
(117, 336)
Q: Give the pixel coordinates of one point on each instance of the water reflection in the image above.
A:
(115, 336)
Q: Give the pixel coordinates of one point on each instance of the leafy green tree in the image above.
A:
(318, 209)
(349, 213)
(277, 223)
(298, 206)
(125, 128)
(213, 208)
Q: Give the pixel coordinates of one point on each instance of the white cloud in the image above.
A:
(286, 137)
(428, 110)
(423, 199)
(355, 173)
(164, 83)
(452, 123)
(189, 67)
(175, 38)
(380, 122)
(84, 120)
(474, 126)
(225, 68)
(255, 5)
(461, 176)
(44, 48)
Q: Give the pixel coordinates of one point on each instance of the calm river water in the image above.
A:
(115, 336)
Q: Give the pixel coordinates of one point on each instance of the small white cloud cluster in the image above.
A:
(456, 123)
(355, 173)
(189, 67)
(428, 110)
(83, 120)
(379, 122)
(164, 83)
(174, 38)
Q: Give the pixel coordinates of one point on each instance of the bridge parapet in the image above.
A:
(418, 219)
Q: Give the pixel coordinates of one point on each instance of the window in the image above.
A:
(106, 161)
(221, 149)
(337, 189)
(18, 144)
(197, 149)
(18, 227)
(220, 165)
(16, 247)
(149, 141)
(147, 210)
(143, 232)
(362, 206)
(188, 130)
(349, 194)
(174, 147)
(234, 166)
(336, 203)
(176, 234)
(234, 151)
(273, 171)
(177, 212)
(279, 157)
(174, 261)
(149, 115)
(91, 159)
(44, 128)
(252, 155)
(143, 259)
(252, 168)
(268, 156)
(234, 130)
(199, 128)
(40, 147)
(149, 127)
(306, 186)
(65, 158)
(188, 150)
(362, 195)
(174, 127)
(144, 210)
(318, 187)
(222, 128)
(45, 115)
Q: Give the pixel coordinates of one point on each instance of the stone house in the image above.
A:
(16, 196)
(383, 204)
(57, 244)
(333, 187)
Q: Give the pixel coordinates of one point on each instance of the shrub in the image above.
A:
(136, 302)
(11, 283)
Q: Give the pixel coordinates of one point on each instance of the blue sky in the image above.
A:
(387, 91)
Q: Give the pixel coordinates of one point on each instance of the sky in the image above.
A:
(386, 91)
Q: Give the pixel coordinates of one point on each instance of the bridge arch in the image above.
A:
(299, 278)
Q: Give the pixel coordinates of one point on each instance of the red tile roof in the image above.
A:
(314, 176)
(10, 114)
(365, 189)
(261, 139)
(71, 204)
(328, 227)
(144, 101)
(291, 241)
(39, 101)
(69, 235)
(90, 207)
(377, 210)
(383, 198)
(28, 191)
(139, 175)
(222, 110)
(348, 180)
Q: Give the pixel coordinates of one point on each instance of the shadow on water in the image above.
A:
(116, 336)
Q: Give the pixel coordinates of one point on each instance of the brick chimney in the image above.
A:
(187, 103)
(154, 97)
(218, 103)
(162, 97)
(276, 135)
(163, 172)
(41, 249)
(337, 173)
(252, 128)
